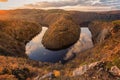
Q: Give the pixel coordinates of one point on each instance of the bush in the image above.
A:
(21, 74)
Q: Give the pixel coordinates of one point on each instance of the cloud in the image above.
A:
(46, 4)
(88, 8)
(79, 4)
(84, 43)
(3, 0)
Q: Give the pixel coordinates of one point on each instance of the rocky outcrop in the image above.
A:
(50, 75)
(61, 34)
(115, 71)
(82, 69)
(97, 71)
(100, 30)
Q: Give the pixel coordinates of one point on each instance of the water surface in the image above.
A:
(36, 51)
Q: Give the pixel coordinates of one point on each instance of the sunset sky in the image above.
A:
(80, 5)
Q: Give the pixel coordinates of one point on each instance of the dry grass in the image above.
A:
(20, 68)
(14, 36)
(16, 27)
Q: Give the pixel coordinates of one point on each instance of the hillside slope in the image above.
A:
(14, 36)
(15, 26)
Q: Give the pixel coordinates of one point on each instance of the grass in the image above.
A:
(14, 36)
(21, 68)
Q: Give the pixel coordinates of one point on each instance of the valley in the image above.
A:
(64, 28)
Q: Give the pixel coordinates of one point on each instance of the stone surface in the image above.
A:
(115, 71)
(82, 69)
(62, 34)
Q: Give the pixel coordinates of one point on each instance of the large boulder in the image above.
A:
(62, 34)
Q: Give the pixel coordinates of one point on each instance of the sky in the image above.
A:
(79, 5)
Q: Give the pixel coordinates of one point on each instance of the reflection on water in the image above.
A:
(36, 51)
(84, 43)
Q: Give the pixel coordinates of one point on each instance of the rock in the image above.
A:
(62, 34)
(37, 78)
(82, 69)
(100, 30)
(115, 71)
(69, 56)
(93, 64)
(49, 75)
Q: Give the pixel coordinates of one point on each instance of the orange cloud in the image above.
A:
(3, 0)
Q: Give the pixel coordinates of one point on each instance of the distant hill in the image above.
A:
(48, 17)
